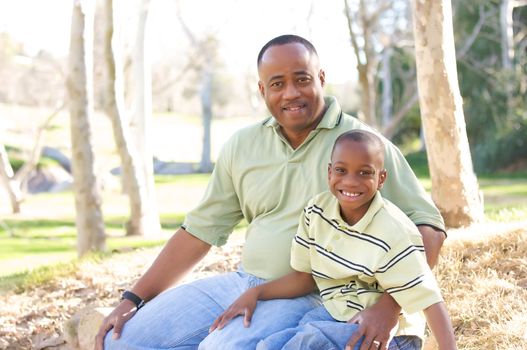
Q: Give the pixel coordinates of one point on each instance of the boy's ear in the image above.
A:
(382, 177)
(329, 170)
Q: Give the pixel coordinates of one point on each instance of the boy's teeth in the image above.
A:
(350, 194)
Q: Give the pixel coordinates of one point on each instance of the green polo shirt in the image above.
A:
(260, 177)
(353, 265)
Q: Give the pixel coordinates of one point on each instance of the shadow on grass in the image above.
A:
(56, 229)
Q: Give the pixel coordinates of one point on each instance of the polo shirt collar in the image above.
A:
(330, 119)
(376, 204)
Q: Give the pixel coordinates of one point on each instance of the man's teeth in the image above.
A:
(295, 108)
(350, 194)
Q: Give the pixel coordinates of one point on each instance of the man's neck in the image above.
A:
(296, 138)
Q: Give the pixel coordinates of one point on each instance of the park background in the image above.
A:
(200, 58)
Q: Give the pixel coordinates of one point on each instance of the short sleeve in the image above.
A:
(219, 211)
(406, 276)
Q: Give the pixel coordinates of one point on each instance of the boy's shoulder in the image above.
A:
(322, 200)
(393, 222)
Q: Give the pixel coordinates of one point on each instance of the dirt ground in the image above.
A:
(494, 254)
(34, 319)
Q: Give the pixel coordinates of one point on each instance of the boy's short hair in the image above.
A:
(360, 136)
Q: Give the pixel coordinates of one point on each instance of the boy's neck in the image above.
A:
(354, 216)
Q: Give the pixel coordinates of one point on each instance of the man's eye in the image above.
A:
(276, 84)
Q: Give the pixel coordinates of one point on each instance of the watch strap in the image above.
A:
(134, 298)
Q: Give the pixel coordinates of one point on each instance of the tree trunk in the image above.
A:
(387, 95)
(454, 184)
(507, 34)
(9, 183)
(89, 221)
(206, 107)
(142, 115)
(366, 60)
(134, 186)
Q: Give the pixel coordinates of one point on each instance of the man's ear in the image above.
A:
(261, 88)
(382, 177)
(322, 77)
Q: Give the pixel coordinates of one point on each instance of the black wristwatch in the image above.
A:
(139, 303)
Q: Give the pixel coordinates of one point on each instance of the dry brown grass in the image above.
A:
(484, 283)
(482, 272)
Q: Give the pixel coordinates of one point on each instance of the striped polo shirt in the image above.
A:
(353, 265)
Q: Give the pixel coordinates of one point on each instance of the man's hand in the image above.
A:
(433, 241)
(244, 305)
(377, 323)
(116, 320)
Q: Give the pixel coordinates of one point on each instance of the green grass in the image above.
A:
(44, 246)
(505, 194)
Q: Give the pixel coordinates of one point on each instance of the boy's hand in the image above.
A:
(244, 305)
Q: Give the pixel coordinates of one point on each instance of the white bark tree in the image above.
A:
(134, 185)
(142, 114)
(89, 220)
(10, 184)
(205, 52)
(455, 188)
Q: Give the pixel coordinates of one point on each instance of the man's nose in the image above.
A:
(291, 91)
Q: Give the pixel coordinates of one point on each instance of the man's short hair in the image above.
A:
(286, 39)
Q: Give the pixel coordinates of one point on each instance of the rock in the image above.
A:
(42, 180)
(58, 156)
(80, 330)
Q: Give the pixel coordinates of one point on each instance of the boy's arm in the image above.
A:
(292, 285)
(440, 325)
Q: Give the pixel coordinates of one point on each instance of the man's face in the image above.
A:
(355, 174)
(291, 84)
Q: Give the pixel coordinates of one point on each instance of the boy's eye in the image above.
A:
(339, 170)
(366, 172)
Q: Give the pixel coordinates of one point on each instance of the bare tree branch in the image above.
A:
(389, 130)
(353, 36)
(483, 15)
(22, 174)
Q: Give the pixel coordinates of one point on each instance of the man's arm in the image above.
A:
(180, 254)
(377, 321)
(433, 241)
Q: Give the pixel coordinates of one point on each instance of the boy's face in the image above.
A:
(355, 174)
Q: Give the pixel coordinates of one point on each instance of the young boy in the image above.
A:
(353, 245)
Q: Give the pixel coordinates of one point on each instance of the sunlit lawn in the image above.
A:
(45, 233)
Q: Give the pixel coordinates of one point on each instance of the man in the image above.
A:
(265, 174)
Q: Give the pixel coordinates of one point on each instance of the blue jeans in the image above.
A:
(180, 318)
(319, 331)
